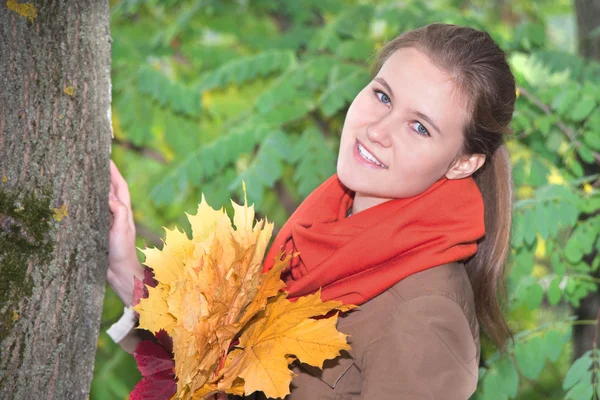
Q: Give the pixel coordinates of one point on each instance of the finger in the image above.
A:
(120, 215)
(115, 173)
(122, 192)
(131, 221)
(121, 188)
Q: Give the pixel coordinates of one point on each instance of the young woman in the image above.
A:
(414, 226)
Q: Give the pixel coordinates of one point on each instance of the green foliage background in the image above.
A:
(208, 93)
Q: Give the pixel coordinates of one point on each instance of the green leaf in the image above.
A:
(358, 50)
(554, 141)
(582, 108)
(553, 221)
(591, 204)
(592, 139)
(519, 175)
(522, 264)
(572, 250)
(165, 193)
(518, 229)
(535, 294)
(575, 167)
(341, 91)
(492, 385)
(579, 371)
(565, 100)
(554, 342)
(567, 214)
(537, 173)
(593, 122)
(278, 145)
(530, 357)
(554, 292)
(530, 228)
(581, 391)
(544, 218)
(353, 20)
(586, 154)
(509, 378)
(543, 123)
(315, 161)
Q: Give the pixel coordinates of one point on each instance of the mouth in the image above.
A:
(367, 156)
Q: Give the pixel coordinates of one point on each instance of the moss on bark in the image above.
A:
(26, 221)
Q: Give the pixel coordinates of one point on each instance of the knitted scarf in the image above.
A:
(353, 259)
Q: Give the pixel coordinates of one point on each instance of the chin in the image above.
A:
(354, 183)
(344, 175)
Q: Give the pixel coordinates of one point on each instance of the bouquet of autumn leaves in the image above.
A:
(220, 324)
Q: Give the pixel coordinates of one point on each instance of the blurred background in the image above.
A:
(207, 93)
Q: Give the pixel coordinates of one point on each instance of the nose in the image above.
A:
(380, 133)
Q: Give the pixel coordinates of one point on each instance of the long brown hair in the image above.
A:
(480, 70)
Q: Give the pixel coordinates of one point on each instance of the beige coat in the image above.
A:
(419, 340)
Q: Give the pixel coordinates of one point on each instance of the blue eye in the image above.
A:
(384, 98)
(420, 129)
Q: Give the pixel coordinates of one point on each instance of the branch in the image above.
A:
(595, 344)
(286, 199)
(321, 123)
(561, 125)
(144, 151)
(148, 235)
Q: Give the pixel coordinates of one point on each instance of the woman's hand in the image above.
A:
(123, 263)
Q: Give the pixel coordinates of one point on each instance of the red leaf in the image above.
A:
(140, 291)
(165, 340)
(149, 278)
(161, 386)
(151, 359)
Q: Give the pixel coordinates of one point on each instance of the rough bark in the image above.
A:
(54, 159)
(588, 19)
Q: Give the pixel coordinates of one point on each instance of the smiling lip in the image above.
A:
(362, 160)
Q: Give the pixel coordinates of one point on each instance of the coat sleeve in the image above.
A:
(425, 351)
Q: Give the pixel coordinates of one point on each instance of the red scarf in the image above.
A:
(353, 259)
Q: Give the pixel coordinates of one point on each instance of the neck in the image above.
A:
(362, 202)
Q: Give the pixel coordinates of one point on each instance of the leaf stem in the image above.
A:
(560, 124)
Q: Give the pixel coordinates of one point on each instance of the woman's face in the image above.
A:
(403, 131)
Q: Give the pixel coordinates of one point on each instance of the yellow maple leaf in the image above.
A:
(270, 286)
(211, 291)
(204, 284)
(282, 330)
(210, 389)
(154, 311)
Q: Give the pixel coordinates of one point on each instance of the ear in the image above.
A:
(465, 166)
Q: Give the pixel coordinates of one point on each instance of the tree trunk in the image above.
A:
(54, 175)
(588, 19)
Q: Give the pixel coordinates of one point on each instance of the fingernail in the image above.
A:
(112, 196)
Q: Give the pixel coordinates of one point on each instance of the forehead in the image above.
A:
(419, 84)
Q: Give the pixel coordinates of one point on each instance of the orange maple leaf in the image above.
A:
(211, 291)
(281, 333)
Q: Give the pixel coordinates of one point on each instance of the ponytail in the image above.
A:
(486, 267)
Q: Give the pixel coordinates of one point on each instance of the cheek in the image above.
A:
(422, 161)
(359, 111)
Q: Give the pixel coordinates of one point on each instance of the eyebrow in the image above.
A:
(417, 113)
(385, 84)
(427, 119)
